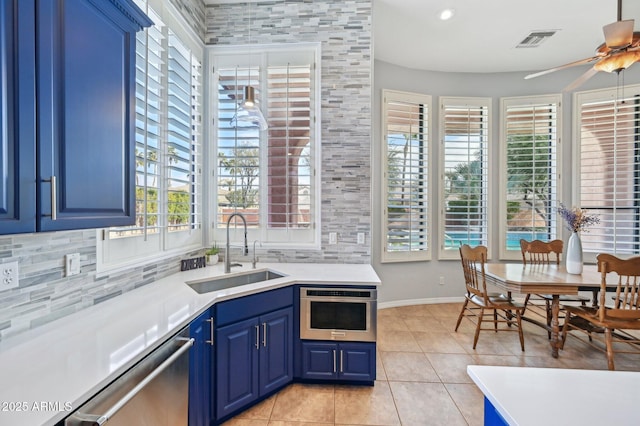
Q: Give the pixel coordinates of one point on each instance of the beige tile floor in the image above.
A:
(422, 378)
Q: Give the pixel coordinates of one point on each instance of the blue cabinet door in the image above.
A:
(276, 351)
(201, 371)
(237, 349)
(357, 362)
(17, 118)
(319, 360)
(85, 115)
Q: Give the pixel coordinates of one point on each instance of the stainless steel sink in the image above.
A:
(235, 280)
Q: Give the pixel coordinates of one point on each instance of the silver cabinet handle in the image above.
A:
(334, 360)
(54, 197)
(264, 334)
(133, 392)
(341, 364)
(257, 336)
(210, 321)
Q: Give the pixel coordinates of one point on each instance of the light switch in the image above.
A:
(72, 264)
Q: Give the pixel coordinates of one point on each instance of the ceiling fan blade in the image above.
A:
(581, 80)
(619, 34)
(561, 67)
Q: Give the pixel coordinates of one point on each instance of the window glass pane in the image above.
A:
(465, 129)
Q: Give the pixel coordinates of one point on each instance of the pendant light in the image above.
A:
(248, 111)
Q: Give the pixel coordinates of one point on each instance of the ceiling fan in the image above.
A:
(620, 50)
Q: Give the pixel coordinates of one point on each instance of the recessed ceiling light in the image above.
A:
(447, 14)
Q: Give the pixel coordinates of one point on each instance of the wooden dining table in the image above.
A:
(551, 279)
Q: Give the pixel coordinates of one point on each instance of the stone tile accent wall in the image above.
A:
(345, 32)
(45, 294)
(193, 12)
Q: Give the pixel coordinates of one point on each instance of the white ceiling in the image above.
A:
(482, 35)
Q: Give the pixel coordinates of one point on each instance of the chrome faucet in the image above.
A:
(227, 253)
(255, 258)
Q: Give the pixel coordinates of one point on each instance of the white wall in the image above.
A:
(418, 282)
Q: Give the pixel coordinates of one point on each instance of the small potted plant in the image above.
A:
(212, 254)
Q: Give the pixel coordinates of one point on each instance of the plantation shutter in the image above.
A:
(149, 106)
(269, 175)
(289, 160)
(464, 127)
(183, 138)
(531, 137)
(405, 222)
(609, 151)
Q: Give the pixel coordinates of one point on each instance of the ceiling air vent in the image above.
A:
(536, 38)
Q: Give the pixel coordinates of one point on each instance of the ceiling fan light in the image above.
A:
(618, 61)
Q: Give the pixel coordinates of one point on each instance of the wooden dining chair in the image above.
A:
(539, 252)
(479, 305)
(617, 320)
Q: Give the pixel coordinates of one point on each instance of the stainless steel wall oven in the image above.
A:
(338, 314)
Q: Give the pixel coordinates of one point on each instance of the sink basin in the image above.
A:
(229, 281)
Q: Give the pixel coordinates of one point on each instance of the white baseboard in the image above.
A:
(431, 301)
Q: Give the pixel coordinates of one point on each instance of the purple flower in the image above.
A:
(576, 219)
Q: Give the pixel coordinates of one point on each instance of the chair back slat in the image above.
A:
(473, 260)
(626, 303)
(541, 252)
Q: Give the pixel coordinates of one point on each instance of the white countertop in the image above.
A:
(48, 372)
(556, 396)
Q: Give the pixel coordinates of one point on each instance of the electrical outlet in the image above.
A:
(71, 264)
(441, 280)
(333, 238)
(9, 276)
(360, 237)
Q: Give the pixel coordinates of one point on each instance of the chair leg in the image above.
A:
(548, 309)
(464, 306)
(520, 333)
(609, 341)
(565, 329)
(475, 337)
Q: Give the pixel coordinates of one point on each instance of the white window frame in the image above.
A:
(525, 101)
(446, 250)
(121, 253)
(595, 241)
(418, 254)
(261, 55)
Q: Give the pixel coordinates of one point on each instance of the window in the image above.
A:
(269, 176)
(168, 146)
(464, 165)
(608, 143)
(530, 172)
(405, 160)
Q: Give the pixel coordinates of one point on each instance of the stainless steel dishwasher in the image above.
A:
(153, 392)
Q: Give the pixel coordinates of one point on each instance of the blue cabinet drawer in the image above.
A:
(250, 306)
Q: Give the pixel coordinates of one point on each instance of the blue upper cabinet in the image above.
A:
(68, 125)
(17, 117)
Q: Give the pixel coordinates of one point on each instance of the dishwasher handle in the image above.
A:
(84, 419)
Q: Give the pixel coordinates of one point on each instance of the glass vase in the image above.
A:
(574, 254)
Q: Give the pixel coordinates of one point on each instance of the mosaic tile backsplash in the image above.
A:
(344, 30)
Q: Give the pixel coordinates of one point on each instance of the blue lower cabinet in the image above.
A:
(346, 361)
(201, 371)
(491, 415)
(254, 359)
